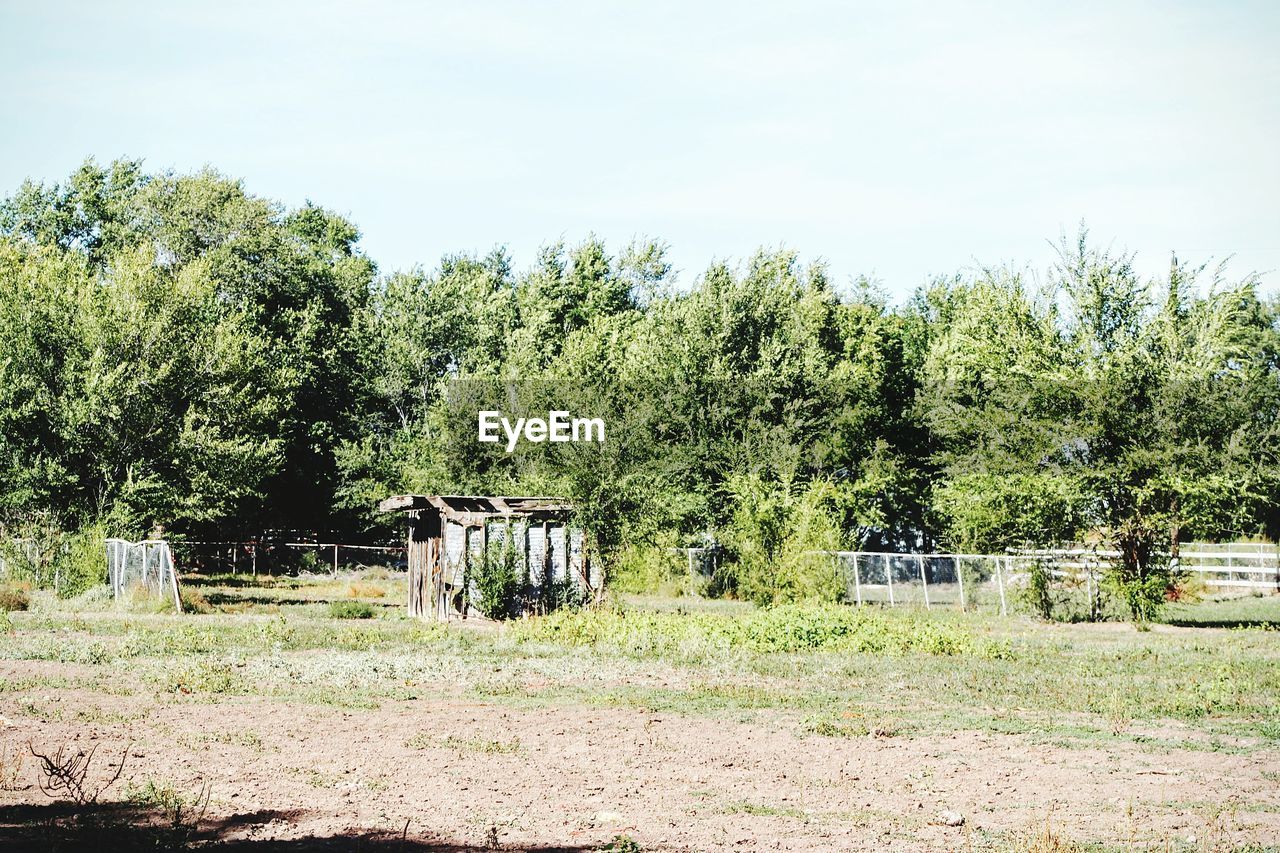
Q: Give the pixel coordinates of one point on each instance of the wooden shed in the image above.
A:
(449, 535)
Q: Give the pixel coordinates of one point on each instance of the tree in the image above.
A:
(176, 351)
(1135, 412)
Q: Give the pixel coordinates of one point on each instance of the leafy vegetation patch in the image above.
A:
(785, 629)
(351, 610)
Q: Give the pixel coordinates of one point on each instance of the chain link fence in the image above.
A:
(142, 568)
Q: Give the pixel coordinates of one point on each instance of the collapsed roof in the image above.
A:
(474, 510)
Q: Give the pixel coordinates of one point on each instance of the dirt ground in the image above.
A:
(453, 773)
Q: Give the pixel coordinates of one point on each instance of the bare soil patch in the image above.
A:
(464, 774)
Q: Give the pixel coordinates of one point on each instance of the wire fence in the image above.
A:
(145, 567)
(273, 556)
(927, 580)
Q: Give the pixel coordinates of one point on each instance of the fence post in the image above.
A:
(466, 567)
(888, 575)
(173, 578)
(924, 582)
(1088, 589)
(1004, 611)
(960, 578)
(857, 580)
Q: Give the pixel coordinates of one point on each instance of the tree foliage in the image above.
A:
(1139, 413)
(175, 350)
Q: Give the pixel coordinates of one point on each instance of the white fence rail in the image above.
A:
(972, 581)
(1246, 565)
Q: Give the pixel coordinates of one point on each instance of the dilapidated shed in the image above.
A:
(451, 535)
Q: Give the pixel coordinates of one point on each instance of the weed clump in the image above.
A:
(350, 610)
(500, 586)
(193, 601)
(358, 589)
(15, 596)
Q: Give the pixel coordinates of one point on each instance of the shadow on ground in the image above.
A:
(263, 581)
(58, 827)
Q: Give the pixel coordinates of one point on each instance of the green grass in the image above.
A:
(786, 629)
(823, 671)
(1248, 611)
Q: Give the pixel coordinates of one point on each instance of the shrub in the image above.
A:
(350, 610)
(775, 539)
(1188, 589)
(15, 596)
(83, 562)
(647, 568)
(498, 582)
(1144, 596)
(1037, 591)
(38, 551)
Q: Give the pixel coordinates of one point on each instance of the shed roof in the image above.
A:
(475, 509)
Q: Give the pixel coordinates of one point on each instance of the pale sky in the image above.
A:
(898, 140)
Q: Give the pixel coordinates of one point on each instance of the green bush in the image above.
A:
(39, 552)
(1037, 591)
(775, 541)
(350, 610)
(499, 584)
(84, 561)
(1144, 596)
(654, 568)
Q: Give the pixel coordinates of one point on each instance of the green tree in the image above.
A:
(176, 351)
(1137, 412)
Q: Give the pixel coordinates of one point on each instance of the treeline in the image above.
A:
(176, 351)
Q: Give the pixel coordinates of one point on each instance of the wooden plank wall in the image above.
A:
(548, 551)
(424, 561)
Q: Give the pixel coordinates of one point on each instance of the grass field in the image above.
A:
(656, 724)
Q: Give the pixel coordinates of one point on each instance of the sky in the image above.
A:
(895, 140)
